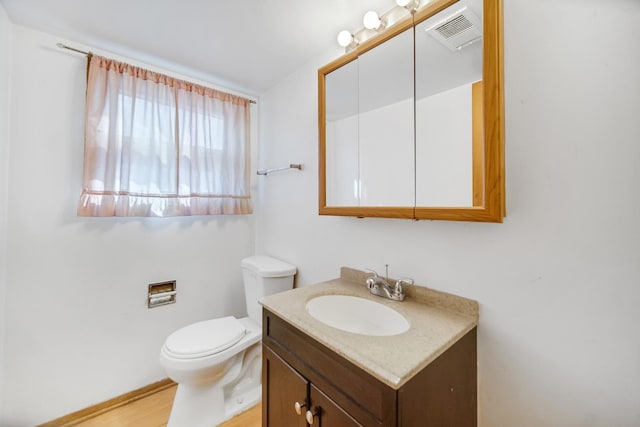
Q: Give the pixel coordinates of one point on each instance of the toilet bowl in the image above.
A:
(217, 363)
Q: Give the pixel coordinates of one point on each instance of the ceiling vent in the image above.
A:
(458, 30)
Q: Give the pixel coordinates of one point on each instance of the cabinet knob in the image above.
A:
(298, 406)
(311, 415)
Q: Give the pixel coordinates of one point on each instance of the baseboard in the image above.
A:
(95, 410)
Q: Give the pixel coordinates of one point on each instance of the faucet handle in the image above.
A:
(399, 282)
(370, 282)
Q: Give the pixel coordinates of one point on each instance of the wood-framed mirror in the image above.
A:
(411, 122)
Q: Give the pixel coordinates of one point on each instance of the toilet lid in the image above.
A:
(205, 338)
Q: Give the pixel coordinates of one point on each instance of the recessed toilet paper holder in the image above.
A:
(161, 293)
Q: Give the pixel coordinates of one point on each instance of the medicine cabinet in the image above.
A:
(411, 120)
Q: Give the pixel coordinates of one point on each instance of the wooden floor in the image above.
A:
(153, 411)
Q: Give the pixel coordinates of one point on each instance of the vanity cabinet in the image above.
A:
(297, 368)
(284, 388)
(287, 390)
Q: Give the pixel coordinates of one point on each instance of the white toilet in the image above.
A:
(218, 363)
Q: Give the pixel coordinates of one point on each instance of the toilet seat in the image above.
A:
(204, 338)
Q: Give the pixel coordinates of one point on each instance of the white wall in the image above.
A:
(5, 70)
(78, 331)
(558, 281)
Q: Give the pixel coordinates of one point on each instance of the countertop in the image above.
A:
(437, 321)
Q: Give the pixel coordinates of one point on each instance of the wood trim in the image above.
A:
(472, 214)
(493, 77)
(431, 9)
(322, 141)
(95, 410)
(477, 142)
(369, 211)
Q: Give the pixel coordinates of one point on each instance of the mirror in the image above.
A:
(342, 141)
(448, 61)
(385, 123)
(410, 122)
(362, 116)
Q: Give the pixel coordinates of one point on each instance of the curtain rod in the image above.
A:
(64, 46)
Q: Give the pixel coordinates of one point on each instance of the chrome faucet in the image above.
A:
(381, 287)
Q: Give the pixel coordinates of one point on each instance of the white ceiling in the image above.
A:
(251, 44)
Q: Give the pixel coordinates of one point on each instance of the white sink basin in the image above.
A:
(357, 315)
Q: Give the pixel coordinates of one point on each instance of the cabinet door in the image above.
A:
(282, 387)
(327, 413)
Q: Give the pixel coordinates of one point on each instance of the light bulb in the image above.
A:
(345, 38)
(372, 21)
(410, 5)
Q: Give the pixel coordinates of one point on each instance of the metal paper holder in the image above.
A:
(161, 293)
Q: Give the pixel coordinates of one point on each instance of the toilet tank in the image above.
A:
(264, 275)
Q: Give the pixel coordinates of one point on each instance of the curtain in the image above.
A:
(158, 146)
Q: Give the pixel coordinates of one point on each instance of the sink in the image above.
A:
(357, 315)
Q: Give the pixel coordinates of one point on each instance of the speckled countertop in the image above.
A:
(437, 321)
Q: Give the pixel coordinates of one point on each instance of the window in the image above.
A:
(159, 146)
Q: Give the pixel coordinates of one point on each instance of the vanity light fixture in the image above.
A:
(372, 21)
(346, 39)
(410, 5)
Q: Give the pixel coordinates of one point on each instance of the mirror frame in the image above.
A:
(493, 208)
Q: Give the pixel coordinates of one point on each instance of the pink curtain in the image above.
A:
(159, 146)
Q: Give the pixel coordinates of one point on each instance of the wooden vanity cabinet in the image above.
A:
(286, 387)
(297, 368)
(283, 388)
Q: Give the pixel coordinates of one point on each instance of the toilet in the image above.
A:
(217, 363)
